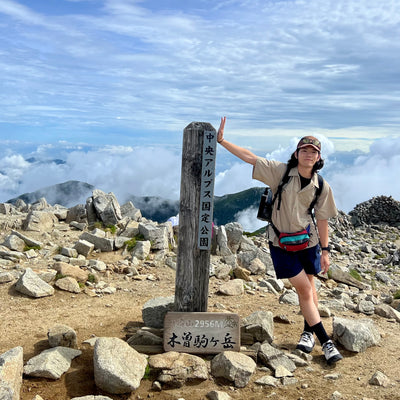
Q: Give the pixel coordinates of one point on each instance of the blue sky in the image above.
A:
(123, 76)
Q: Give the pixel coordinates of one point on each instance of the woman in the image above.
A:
(293, 216)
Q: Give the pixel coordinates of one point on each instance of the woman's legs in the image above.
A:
(308, 300)
(307, 327)
(305, 288)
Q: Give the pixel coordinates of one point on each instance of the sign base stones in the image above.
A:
(201, 332)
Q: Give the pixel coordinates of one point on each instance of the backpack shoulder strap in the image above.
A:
(284, 181)
(318, 191)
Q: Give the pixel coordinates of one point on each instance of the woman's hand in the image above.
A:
(220, 136)
(325, 262)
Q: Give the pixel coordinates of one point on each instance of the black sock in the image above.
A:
(320, 332)
(307, 328)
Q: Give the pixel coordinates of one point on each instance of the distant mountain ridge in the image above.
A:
(67, 194)
(157, 209)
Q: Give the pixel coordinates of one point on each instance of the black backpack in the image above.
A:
(267, 199)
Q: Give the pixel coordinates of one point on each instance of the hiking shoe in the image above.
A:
(331, 352)
(306, 342)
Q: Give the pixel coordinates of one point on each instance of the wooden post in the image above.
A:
(193, 261)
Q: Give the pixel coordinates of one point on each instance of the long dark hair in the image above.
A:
(293, 162)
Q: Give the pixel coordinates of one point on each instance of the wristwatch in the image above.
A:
(327, 248)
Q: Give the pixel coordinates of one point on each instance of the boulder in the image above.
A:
(355, 335)
(260, 325)
(11, 367)
(118, 368)
(235, 367)
(72, 271)
(154, 310)
(31, 285)
(51, 363)
(39, 221)
(62, 335)
(176, 369)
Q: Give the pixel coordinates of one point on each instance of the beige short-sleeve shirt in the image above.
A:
(293, 215)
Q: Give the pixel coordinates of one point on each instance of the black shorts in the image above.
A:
(288, 264)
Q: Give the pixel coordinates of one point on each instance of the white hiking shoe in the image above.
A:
(331, 352)
(306, 342)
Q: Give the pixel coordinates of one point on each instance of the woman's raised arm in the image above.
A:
(240, 152)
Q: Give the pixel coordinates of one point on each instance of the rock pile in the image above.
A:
(378, 210)
(363, 279)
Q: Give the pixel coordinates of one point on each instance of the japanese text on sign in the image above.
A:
(207, 190)
(201, 332)
(202, 340)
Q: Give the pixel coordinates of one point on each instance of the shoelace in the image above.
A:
(306, 338)
(329, 346)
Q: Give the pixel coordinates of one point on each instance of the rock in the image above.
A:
(107, 207)
(235, 367)
(241, 273)
(222, 248)
(98, 265)
(145, 338)
(81, 226)
(281, 372)
(339, 275)
(84, 247)
(90, 397)
(366, 307)
(130, 211)
(77, 214)
(256, 267)
(157, 235)
(268, 380)
(223, 272)
(277, 284)
(11, 367)
(11, 255)
(386, 311)
(39, 221)
(72, 271)
(13, 242)
(118, 368)
(379, 379)
(100, 243)
(260, 325)
(176, 369)
(142, 250)
(274, 358)
(355, 335)
(234, 287)
(6, 277)
(51, 363)
(62, 335)
(154, 310)
(218, 395)
(68, 252)
(28, 240)
(6, 208)
(31, 285)
(68, 284)
(289, 297)
(234, 233)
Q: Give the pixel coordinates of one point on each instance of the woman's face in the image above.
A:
(308, 156)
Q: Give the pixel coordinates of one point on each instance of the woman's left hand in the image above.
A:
(221, 128)
(325, 262)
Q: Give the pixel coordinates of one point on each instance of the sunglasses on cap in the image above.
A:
(305, 141)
